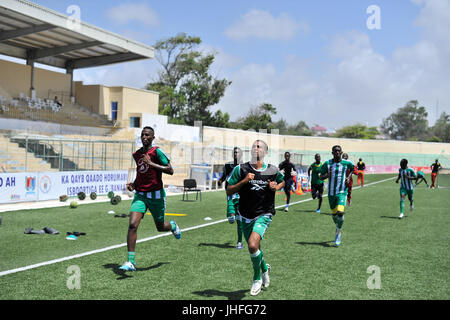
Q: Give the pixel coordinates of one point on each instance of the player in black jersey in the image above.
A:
(256, 183)
(288, 168)
(233, 200)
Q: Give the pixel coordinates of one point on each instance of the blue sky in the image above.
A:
(313, 60)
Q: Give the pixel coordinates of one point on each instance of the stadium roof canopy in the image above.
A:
(41, 35)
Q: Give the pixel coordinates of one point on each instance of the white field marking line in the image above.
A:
(4, 273)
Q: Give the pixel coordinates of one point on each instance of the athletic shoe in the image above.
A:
(177, 231)
(239, 245)
(401, 216)
(337, 240)
(318, 210)
(256, 287)
(265, 277)
(286, 209)
(411, 208)
(128, 266)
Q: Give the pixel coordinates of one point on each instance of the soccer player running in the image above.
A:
(435, 167)
(335, 170)
(361, 167)
(350, 181)
(316, 183)
(151, 163)
(406, 186)
(233, 200)
(288, 169)
(256, 182)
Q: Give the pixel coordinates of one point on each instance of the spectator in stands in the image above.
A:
(2, 168)
(57, 102)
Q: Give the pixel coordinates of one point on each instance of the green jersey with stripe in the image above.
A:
(338, 175)
(406, 183)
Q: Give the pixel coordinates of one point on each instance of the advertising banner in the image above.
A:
(34, 186)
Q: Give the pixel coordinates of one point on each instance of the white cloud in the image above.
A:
(128, 12)
(261, 24)
(362, 86)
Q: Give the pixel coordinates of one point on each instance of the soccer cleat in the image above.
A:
(401, 215)
(176, 232)
(128, 266)
(256, 287)
(337, 240)
(411, 208)
(318, 210)
(265, 277)
(239, 245)
(286, 209)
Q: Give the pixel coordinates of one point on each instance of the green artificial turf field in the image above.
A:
(410, 256)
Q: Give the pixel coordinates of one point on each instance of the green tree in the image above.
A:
(441, 129)
(257, 118)
(408, 123)
(357, 131)
(187, 89)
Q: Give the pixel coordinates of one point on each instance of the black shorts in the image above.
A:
(317, 188)
(288, 185)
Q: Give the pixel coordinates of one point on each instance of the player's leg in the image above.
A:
(231, 210)
(433, 179)
(314, 191)
(319, 196)
(349, 194)
(157, 208)
(359, 178)
(239, 244)
(411, 199)
(287, 191)
(337, 205)
(137, 211)
(362, 178)
(255, 235)
(402, 202)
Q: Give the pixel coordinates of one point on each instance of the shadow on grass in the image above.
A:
(124, 274)
(233, 295)
(392, 217)
(323, 244)
(226, 245)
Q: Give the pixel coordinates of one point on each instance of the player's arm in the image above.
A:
(165, 165)
(398, 178)
(234, 181)
(323, 173)
(279, 183)
(223, 177)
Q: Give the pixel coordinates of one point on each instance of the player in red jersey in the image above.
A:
(350, 181)
(151, 164)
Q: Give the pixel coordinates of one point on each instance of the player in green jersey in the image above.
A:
(335, 170)
(256, 183)
(406, 175)
(420, 178)
(316, 183)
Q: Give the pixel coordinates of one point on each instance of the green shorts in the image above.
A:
(337, 202)
(404, 191)
(259, 225)
(154, 201)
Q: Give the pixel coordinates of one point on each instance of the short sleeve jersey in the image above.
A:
(147, 178)
(338, 170)
(227, 170)
(435, 167)
(405, 182)
(315, 171)
(256, 197)
(287, 166)
(361, 165)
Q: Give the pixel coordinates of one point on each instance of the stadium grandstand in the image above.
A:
(51, 123)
